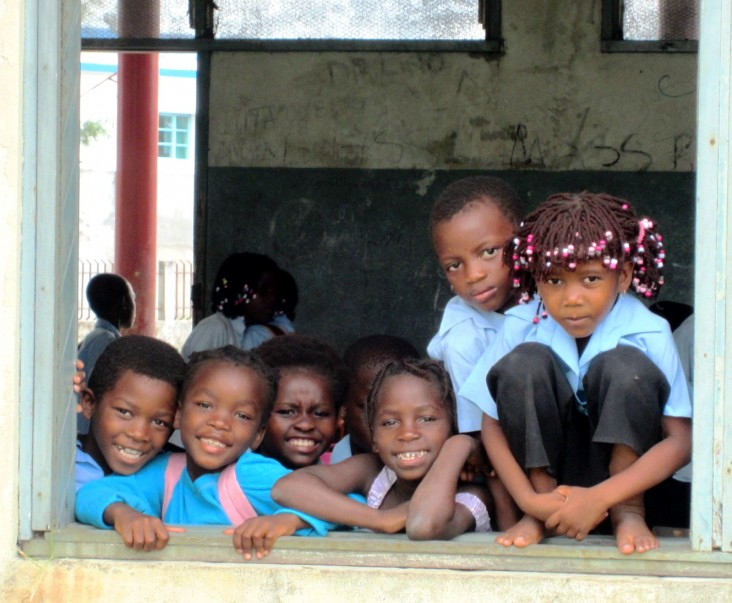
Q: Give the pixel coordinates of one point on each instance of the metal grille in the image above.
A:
(661, 20)
(141, 19)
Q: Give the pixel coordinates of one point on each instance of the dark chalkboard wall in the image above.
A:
(357, 241)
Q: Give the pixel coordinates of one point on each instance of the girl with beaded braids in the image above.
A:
(243, 295)
(584, 396)
(411, 480)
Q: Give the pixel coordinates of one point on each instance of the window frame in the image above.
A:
(611, 37)
(48, 348)
(174, 145)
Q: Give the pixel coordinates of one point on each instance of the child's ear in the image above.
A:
(260, 435)
(626, 276)
(88, 403)
(176, 420)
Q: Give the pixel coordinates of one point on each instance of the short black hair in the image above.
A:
(430, 370)
(303, 352)
(141, 355)
(461, 193)
(236, 357)
(376, 350)
(105, 291)
(287, 293)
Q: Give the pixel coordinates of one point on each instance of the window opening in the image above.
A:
(650, 25)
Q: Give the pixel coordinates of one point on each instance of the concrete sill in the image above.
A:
(596, 555)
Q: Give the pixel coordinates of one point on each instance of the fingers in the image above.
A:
(175, 529)
(145, 535)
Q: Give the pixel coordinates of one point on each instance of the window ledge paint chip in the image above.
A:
(596, 555)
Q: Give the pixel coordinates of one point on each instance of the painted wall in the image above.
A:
(330, 161)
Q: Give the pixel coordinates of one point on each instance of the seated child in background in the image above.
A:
(585, 389)
(364, 358)
(111, 298)
(471, 221)
(284, 314)
(243, 295)
(226, 397)
(312, 382)
(412, 479)
(130, 405)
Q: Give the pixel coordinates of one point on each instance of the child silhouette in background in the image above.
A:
(284, 315)
(411, 480)
(243, 295)
(312, 382)
(130, 405)
(364, 358)
(586, 402)
(112, 299)
(226, 398)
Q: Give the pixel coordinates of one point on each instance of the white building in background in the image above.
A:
(98, 157)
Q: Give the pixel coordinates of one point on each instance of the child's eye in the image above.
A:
(388, 423)
(162, 423)
(429, 419)
(452, 266)
(322, 414)
(591, 279)
(552, 280)
(285, 412)
(202, 404)
(243, 416)
(125, 412)
(490, 252)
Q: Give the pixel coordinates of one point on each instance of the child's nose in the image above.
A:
(408, 431)
(220, 420)
(475, 271)
(304, 422)
(139, 429)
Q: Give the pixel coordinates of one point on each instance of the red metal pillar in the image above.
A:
(137, 161)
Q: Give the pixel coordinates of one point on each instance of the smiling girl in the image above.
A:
(410, 412)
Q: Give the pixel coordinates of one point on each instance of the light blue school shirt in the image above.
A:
(629, 322)
(192, 502)
(212, 332)
(465, 334)
(86, 469)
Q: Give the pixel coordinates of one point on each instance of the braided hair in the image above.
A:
(572, 228)
(431, 371)
(237, 281)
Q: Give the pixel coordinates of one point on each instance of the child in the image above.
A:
(304, 420)
(590, 393)
(411, 480)
(471, 221)
(130, 405)
(243, 295)
(364, 358)
(284, 314)
(111, 298)
(226, 396)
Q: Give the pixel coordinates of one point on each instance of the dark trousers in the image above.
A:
(546, 427)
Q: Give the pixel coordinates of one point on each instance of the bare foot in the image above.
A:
(631, 531)
(528, 530)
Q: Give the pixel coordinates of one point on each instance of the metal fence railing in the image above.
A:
(174, 278)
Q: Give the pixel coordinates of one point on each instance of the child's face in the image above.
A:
(220, 416)
(469, 247)
(355, 410)
(131, 422)
(579, 300)
(303, 423)
(410, 426)
(261, 308)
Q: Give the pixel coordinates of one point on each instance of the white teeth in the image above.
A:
(129, 453)
(302, 442)
(210, 442)
(410, 456)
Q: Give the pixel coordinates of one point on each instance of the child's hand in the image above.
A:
(395, 519)
(140, 532)
(259, 533)
(79, 379)
(476, 463)
(579, 515)
(543, 506)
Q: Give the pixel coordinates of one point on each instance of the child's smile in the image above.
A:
(303, 422)
(131, 423)
(579, 300)
(410, 426)
(220, 418)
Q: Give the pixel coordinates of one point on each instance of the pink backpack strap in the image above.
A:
(232, 498)
(173, 471)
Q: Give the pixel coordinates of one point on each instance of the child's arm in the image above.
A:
(580, 513)
(433, 513)
(139, 531)
(259, 534)
(513, 476)
(320, 490)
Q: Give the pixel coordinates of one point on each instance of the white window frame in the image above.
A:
(48, 338)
